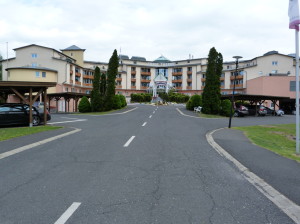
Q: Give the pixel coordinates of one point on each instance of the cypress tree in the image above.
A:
(95, 94)
(211, 96)
(102, 89)
(112, 72)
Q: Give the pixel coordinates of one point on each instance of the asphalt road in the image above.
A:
(168, 173)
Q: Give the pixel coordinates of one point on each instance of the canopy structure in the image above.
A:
(21, 88)
(160, 84)
(67, 96)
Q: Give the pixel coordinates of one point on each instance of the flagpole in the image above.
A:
(297, 89)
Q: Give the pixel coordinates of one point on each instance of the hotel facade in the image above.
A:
(270, 74)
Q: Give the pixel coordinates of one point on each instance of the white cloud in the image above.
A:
(148, 28)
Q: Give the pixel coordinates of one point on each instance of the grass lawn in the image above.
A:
(277, 138)
(210, 116)
(8, 133)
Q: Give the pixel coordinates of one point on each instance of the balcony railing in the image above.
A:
(77, 74)
(176, 73)
(189, 87)
(178, 80)
(237, 77)
(237, 86)
(203, 79)
(118, 79)
(144, 87)
(88, 77)
(87, 84)
(133, 72)
(77, 83)
(145, 80)
(189, 80)
(145, 73)
(189, 72)
(118, 86)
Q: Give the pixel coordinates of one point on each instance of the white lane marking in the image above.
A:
(194, 116)
(61, 122)
(116, 113)
(154, 112)
(144, 124)
(129, 141)
(150, 116)
(23, 148)
(72, 118)
(68, 213)
(282, 202)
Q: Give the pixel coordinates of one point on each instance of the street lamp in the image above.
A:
(233, 90)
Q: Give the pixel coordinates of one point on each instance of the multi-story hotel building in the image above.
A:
(270, 74)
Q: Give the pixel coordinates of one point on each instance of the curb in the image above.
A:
(282, 202)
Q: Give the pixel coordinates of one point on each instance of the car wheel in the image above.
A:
(35, 120)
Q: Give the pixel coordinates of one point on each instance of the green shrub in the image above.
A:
(141, 97)
(123, 101)
(84, 105)
(194, 101)
(225, 108)
(116, 102)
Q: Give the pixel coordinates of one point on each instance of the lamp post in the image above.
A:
(233, 90)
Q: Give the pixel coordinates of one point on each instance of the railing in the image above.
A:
(189, 80)
(144, 87)
(145, 73)
(237, 77)
(77, 74)
(88, 77)
(189, 87)
(238, 86)
(203, 79)
(87, 84)
(133, 72)
(145, 80)
(118, 79)
(118, 86)
(176, 73)
(178, 80)
(189, 72)
(77, 83)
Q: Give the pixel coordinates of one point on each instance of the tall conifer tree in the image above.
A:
(211, 97)
(95, 94)
(102, 89)
(112, 72)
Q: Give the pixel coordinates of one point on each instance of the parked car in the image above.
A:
(241, 111)
(18, 114)
(274, 112)
(257, 110)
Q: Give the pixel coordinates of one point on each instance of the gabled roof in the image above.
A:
(35, 45)
(162, 59)
(160, 78)
(137, 58)
(73, 48)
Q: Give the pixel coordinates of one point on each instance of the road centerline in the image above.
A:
(68, 213)
(150, 116)
(144, 124)
(129, 141)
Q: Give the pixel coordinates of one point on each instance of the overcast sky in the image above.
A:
(149, 28)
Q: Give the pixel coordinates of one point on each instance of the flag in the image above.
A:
(294, 14)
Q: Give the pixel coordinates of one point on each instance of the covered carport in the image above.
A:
(67, 96)
(21, 88)
(256, 99)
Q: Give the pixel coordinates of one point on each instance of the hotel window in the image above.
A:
(189, 69)
(132, 83)
(274, 62)
(189, 76)
(133, 69)
(34, 55)
(67, 89)
(189, 84)
(44, 74)
(203, 83)
(203, 76)
(34, 65)
(133, 76)
(37, 74)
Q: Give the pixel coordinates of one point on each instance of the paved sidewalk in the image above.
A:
(281, 173)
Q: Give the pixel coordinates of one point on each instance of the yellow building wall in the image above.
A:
(30, 75)
(77, 55)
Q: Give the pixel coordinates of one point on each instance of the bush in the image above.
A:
(123, 101)
(194, 101)
(116, 102)
(141, 97)
(84, 105)
(225, 108)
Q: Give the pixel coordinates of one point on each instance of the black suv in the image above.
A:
(18, 114)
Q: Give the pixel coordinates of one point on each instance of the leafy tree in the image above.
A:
(84, 105)
(112, 72)
(95, 94)
(102, 89)
(211, 95)
(123, 101)
(116, 102)
(225, 107)
(194, 101)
